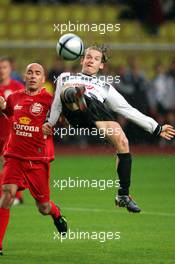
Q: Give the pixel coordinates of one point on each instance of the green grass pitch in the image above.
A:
(145, 238)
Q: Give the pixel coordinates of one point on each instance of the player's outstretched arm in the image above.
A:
(168, 132)
(118, 104)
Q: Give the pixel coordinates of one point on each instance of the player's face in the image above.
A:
(92, 62)
(34, 77)
(5, 70)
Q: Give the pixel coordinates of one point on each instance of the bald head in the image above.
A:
(35, 66)
(34, 76)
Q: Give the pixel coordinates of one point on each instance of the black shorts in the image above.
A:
(96, 111)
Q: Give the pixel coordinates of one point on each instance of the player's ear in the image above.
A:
(101, 66)
(44, 79)
(81, 60)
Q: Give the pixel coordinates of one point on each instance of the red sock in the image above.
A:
(19, 195)
(4, 219)
(54, 211)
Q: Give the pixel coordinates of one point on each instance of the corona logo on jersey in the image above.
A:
(24, 120)
(36, 109)
(23, 128)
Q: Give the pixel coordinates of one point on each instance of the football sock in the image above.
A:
(54, 211)
(124, 172)
(4, 219)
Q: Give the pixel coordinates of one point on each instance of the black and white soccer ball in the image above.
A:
(70, 47)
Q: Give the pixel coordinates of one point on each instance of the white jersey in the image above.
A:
(103, 92)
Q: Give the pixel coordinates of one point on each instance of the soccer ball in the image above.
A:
(70, 47)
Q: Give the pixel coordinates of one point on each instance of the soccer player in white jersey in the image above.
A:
(87, 102)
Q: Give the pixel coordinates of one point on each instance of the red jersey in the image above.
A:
(5, 91)
(13, 86)
(28, 115)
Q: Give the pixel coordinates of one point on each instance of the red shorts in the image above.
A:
(34, 175)
(2, 144)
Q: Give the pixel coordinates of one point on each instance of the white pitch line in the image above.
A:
(119, 210)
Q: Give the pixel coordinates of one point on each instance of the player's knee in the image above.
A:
(8, 192)
(124, 142)
(44, 208)
(8, 195)
(121, 142)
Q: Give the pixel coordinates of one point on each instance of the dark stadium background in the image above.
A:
(142, 53)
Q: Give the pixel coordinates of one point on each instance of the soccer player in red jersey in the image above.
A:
(7, 87)
(28, 152)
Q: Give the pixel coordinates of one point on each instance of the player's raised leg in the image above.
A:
(6, 200)
(123, 163)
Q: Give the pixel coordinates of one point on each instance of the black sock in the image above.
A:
(124, 172)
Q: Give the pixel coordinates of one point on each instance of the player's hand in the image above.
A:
(2, 103)
(168, 132)
(47, 129)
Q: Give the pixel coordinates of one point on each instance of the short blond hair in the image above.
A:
(102, 49)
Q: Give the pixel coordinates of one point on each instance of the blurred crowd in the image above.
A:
(152, 96)
(150, 13)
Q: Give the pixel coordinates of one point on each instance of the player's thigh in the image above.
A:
(38, 177)
(12, 188)
(13, 173)
(115, 134)
(111, 129)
